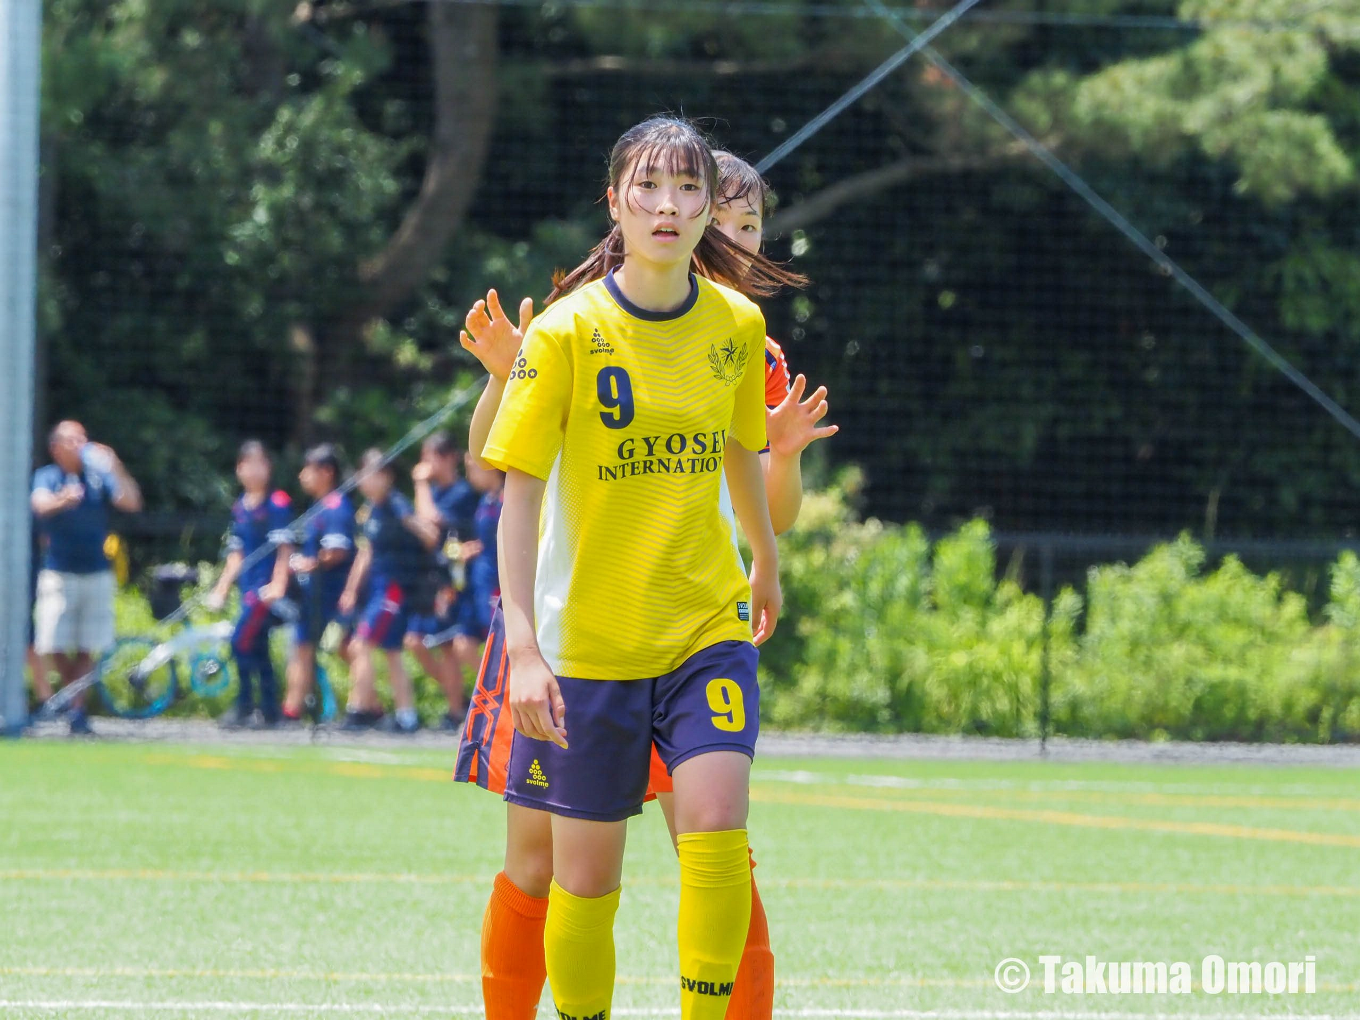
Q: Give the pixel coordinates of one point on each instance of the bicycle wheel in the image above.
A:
(128, 691)
(209, 674)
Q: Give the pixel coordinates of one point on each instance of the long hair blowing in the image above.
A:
(676, 146)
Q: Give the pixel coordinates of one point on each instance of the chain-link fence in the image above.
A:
(267, 222)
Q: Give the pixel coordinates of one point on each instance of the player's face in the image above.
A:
(662, 214)
(253, 473)
(376, 487)
(308, 479)
(741, 222)
(69, 440)
(443, 467)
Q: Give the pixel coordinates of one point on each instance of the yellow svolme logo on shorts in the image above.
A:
(536, 776)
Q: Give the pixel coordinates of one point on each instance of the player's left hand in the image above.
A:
(766, 601)
(271, 593)
(107, 454)
(792, 426)
(492, 338)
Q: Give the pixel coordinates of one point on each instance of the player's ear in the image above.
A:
(612, 198)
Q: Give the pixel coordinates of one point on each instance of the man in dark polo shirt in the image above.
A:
(72, 496)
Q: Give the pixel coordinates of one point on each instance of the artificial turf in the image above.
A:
(154, 880)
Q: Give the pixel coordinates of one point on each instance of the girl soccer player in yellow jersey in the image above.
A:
(513, 972)
(632, 611)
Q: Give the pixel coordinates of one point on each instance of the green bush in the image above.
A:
(883, 632)
(889, 635)
(1170, 651)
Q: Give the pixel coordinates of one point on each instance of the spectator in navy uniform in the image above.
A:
(322, 567)
(260, 520)
(72, 496)
(478, 598)
(450, 503)
(392, 560)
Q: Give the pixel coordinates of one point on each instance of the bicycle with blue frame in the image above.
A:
(140, 677)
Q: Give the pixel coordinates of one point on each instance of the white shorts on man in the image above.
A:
(73, 613)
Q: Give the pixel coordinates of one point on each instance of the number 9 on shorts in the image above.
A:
(728, 705)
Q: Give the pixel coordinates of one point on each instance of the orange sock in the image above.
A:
(513, 971)
(753, 993)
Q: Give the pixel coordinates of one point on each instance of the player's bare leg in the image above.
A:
(37, 669)
(363, 694)
(529, 849)
(513, 966)
(71, 668)
(300, 677)
(438, 663)
(403, 691)
(666, 801)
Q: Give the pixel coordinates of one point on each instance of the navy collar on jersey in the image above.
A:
(612, 286)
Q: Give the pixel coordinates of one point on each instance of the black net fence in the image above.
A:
(262, 221)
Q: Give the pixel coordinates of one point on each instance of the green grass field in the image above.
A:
(153, 880)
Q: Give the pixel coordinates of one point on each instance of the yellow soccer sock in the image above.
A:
(578, 946)
(715, 913)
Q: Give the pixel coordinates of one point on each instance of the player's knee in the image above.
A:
(711, 820)
(530, 868)
(586, 877)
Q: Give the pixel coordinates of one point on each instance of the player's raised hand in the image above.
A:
(767, 599)
(536, 706)
(792, 426)
(490, 335)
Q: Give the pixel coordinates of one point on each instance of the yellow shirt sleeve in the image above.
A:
(532, 419)
(748, 411)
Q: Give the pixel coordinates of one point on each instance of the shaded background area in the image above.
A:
(261, 221)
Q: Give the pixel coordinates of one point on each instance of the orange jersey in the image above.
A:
(777, 378)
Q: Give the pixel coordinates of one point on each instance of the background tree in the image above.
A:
(269, 221)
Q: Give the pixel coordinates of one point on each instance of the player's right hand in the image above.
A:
(792, 426)
(70, 496)
(536, 706)
(767, 599)
(346, 602)
(492, 338)
(214, 601)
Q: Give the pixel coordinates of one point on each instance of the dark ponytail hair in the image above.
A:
(252, 448)
(373, 463)
(677, 146)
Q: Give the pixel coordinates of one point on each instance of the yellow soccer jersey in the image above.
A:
(626, 414)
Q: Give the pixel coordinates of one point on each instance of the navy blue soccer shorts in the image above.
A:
(710, 703)
(382, 621)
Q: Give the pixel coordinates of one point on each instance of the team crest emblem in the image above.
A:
(727, 361)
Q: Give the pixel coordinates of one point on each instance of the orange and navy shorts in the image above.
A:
(484, 753)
